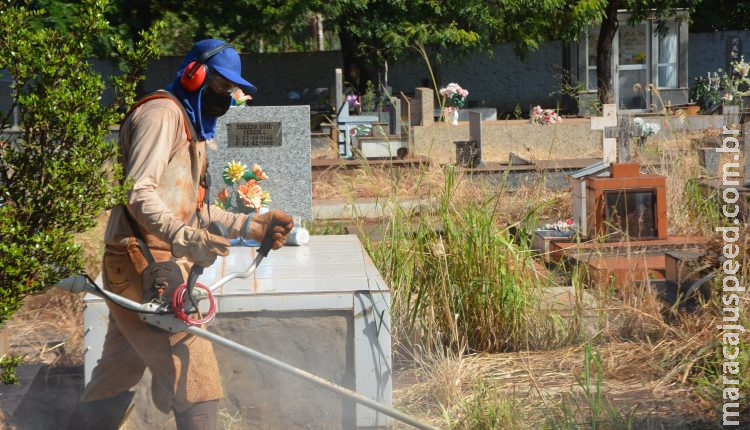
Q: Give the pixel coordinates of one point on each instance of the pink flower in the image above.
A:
(240, 97)
(251, 194)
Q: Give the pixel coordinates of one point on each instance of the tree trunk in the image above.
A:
(321, 41)
(604, 53)
(357, 71)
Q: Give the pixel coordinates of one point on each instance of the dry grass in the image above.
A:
(384, 182)
(676, 158)
(374, 182)
(48, 329)
(533, 384)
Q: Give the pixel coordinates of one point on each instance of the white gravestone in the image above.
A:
(608, 119)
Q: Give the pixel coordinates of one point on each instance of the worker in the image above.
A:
(164, 140)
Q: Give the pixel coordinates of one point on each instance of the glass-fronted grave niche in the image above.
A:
(641, 56)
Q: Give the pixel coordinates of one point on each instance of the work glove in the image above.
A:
(200, 246)
(278, 222)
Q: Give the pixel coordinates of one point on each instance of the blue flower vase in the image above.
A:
(241, 241)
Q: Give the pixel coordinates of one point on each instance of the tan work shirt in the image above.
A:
(167, 169)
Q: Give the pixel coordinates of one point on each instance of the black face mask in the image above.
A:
(214, 104)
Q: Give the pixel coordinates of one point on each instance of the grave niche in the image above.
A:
(626, 205)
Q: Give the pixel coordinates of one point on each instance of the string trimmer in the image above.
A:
(173, 316)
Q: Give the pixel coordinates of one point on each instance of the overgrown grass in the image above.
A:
(486, 408)
(325, 227)
(463, 279)
(460, 280)
(590, 408)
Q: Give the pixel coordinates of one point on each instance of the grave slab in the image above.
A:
(51, 395)
(322, 307)
(684, 265)
(278, 139)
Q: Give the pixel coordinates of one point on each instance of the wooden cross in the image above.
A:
(624, 132)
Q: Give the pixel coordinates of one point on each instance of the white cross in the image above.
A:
(608, 119)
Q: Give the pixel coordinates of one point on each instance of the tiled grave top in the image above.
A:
(324, 274)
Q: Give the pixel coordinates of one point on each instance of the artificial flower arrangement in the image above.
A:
(648, 128)
(718, 86)
(562, 228)
(561, 225)
(245, 194)
(544, 116)
(354, 103)
(240, 98)
(455, 96)
(742, 83)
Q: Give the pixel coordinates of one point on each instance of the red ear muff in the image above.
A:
(194, 76)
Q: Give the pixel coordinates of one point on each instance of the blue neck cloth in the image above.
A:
(204, 127)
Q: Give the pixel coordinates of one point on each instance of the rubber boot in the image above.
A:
(104, 414)
(199, 416)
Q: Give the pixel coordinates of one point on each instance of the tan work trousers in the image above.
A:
(183, 367)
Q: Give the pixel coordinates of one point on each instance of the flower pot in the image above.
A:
(731, 114)
(450, 115)
(692, 110)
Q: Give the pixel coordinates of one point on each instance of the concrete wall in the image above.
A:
(707, 51)
(275, 75)
(501, 80)
(572, 139)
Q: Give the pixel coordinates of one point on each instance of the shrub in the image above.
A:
(56, 173)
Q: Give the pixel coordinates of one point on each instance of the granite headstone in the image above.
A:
(395, 123)
(425, 106)
(278, 139)
(475, 135)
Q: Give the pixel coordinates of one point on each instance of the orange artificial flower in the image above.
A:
(223, 195)
(251, 194)
(259, 173)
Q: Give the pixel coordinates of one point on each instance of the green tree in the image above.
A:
(371, 32)
(721, 15)
(56, 170)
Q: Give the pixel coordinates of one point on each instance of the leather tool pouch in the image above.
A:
(160, 280)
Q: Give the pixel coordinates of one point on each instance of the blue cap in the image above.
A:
(226, 62)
